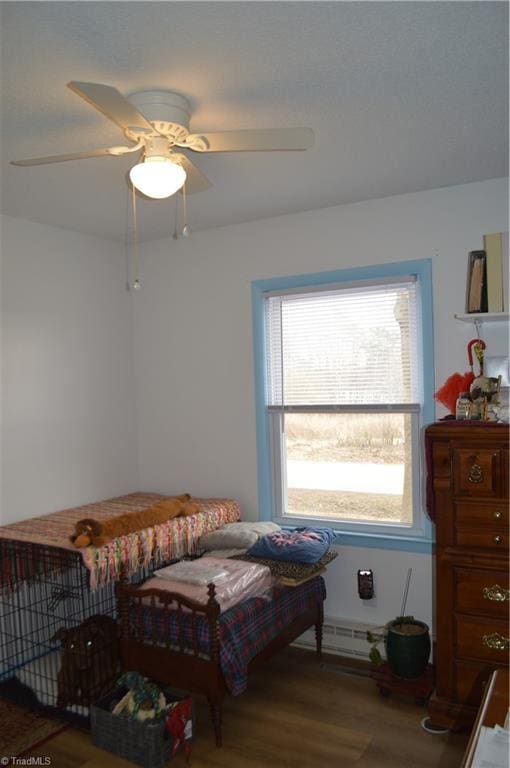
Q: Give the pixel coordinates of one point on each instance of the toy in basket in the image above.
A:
(142, 722)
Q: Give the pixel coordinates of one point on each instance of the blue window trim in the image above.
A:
(422, 268)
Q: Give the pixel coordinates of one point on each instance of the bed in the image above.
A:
(192, 646)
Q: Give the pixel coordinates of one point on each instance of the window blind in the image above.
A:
(355, 345)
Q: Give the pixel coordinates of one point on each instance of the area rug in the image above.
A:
(21, 730)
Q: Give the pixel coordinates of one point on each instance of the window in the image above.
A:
(344, 383)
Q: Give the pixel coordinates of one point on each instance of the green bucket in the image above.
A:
(408, 648)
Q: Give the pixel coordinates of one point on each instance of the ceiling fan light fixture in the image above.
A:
(158, 177)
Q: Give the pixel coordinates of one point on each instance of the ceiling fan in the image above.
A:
(156, 122)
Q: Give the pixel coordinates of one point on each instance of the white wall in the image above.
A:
(68, 406)
(193, 346)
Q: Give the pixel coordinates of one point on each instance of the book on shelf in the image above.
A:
(476, 294)
(493, 247)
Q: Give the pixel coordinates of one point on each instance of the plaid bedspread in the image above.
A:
(245, 629)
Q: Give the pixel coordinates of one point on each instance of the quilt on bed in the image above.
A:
(245, 629)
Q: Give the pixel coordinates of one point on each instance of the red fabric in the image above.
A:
(176, 722)
(448, 393)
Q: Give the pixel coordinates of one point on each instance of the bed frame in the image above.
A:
(180, 664)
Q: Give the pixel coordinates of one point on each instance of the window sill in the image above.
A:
(421, 544)
(403, 543)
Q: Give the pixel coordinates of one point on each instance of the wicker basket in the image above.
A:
(145, 743)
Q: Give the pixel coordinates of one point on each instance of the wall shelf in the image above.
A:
(484, 317)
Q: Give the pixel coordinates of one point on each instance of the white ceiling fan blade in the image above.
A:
(196, 181)
(268, 139)
(112, 151)
(112, 104)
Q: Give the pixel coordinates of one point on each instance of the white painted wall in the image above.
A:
(193, 346)
(68, 415)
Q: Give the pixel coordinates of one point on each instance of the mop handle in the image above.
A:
(406, 590)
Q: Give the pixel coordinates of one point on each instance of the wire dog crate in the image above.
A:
(58, 641)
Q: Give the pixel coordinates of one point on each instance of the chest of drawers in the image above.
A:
(468, 476)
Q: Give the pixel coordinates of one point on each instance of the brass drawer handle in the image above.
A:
(496, 642)
(496, 593)
(497, 514)
(497, 539)
(475, 474)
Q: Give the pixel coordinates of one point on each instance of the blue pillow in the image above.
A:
(300, 545)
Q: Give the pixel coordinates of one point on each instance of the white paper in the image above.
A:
(492, 750)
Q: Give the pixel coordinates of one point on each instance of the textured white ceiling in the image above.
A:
(402, 96)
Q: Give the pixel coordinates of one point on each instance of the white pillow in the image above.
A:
(225, 553)
(237, 535)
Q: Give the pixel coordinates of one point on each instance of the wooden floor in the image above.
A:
(296, 714)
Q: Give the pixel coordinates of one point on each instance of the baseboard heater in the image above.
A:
(343, 637)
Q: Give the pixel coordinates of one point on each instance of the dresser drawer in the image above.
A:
(477, 472)
(470, 681)
(484, 593)
(481, 638)
(480, 513)
(492, 538)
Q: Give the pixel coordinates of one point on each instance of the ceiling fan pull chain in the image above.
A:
(185, 228)
(127, 244)
(176, 217)
(136, 282)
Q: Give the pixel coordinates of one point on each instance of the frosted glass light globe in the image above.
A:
(158, 177)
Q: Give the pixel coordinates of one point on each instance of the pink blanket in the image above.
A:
(237, 581)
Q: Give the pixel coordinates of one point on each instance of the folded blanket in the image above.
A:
(242, 581)
(302, 545)
(282, 569)
(193, 572)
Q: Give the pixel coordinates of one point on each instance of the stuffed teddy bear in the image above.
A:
(98, 532)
